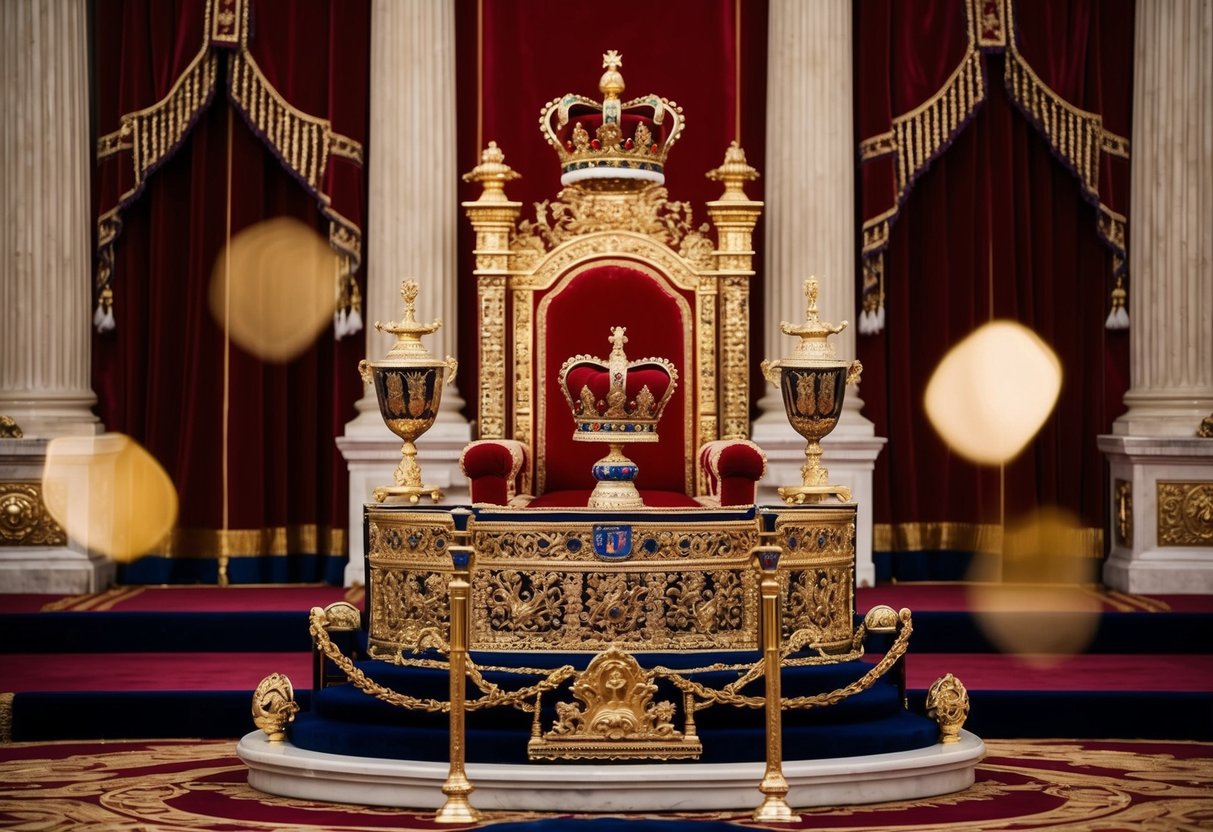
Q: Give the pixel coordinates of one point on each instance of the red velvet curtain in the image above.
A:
(164, 375)
(995, 221)
(709, 56)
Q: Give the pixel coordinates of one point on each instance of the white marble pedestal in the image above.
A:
(36, 555)
(1161, 514)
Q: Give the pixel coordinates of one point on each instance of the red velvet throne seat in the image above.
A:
(612, 251)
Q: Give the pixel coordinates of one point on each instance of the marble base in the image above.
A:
(850, 457)
(372, 453)
(53, 570)
(282, 769)
(1156, 550)
(35, 554)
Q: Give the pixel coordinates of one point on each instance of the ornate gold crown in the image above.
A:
(617, 400)
(629, 141)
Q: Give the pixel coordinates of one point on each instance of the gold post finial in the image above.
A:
(492, 173)
(734, 173)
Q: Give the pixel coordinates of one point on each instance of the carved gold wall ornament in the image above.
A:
(9, 429)
(948, 704)
(1185, 513)
(1124, 513)
(1205, 431)
(617, 719)
(274, 706)
(24, 520)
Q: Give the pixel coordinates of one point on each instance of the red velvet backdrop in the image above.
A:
(998, 226)
(160, 375)
(517, 55)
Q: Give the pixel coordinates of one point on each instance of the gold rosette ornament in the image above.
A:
(408, 383)
(813, 380)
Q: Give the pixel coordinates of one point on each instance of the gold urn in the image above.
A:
(813, 380)
(408, 383)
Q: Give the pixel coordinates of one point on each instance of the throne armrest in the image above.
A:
(731, 470)
(496, 470)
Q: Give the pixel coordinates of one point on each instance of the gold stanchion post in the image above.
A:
(774, 787)
(457, 808)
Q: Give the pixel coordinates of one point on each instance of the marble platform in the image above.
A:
(282, 769)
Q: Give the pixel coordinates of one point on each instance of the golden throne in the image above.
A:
(612, 250)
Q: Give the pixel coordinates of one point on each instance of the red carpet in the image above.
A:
(172, 785)
(241, 671)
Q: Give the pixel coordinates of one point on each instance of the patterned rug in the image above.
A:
(170, 785)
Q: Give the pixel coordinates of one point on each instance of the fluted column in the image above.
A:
(411, 233)
(810, 230)
(1162, 473)
(45, 279)
(45, 261)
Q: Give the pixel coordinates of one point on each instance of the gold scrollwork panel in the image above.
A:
(817, 578)
(592, 609)
(1185, 513)
(410, 571)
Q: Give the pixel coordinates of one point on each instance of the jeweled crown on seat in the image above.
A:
(616, 401)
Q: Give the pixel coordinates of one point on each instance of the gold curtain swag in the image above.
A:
(302, 142)
(918, 137)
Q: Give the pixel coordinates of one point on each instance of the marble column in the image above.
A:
(810, 230)
(411, 233)
(1161, 471)
(45, 279)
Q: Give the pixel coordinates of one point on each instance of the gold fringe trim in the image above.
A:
(922, 133)
(156, 131)
(303, 142)
(275, 541)
(1077, 136)
(967, 537)
(6, 718)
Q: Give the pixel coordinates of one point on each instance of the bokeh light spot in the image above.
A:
(993, 391)
(282, 288)
(109, 494)
(1037, 601)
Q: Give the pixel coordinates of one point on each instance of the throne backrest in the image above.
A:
(612, 250)
(574, 317)
(553, 287)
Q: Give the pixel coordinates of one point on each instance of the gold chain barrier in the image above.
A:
(774, 808)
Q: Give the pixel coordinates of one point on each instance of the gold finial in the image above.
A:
(611, 82)
(408, 330)
(492, 173)
(813, 332)
(734, 173)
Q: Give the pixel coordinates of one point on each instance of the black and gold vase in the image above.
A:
(408, 383)
(813, 380)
